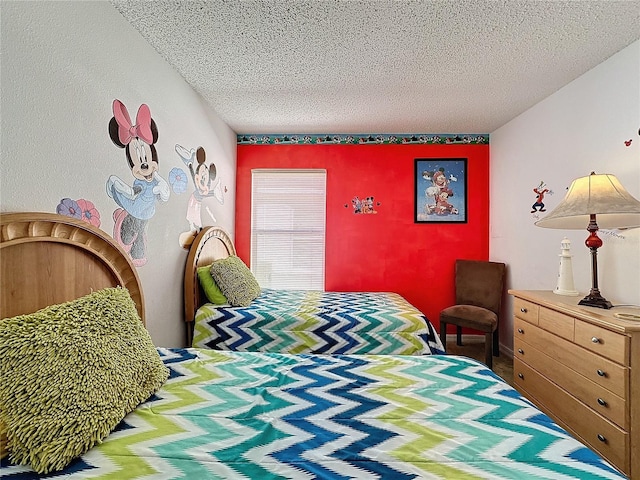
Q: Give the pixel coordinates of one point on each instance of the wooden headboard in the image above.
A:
(212, 243)
(46, 259)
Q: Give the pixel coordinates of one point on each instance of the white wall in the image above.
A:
(581, 128)
(63, 64)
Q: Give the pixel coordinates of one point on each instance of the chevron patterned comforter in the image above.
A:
(252, 415)
(301, 321)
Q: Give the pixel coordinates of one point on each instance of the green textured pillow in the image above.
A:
(211, 289)
(70, 373)
(3, 440)
(235, 280)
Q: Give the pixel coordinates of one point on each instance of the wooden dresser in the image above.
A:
(581, 366)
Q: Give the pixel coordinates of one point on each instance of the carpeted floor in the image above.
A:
(474, 348)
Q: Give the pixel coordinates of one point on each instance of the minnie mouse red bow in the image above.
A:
(127, 131)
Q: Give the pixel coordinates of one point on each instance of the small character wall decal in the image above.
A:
(137, 202)
(363, 206)
(627, 143)
(81, 209)
(357, 204)
(207, 184)
(540, 191)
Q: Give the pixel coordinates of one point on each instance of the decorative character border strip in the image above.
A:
(368, 139)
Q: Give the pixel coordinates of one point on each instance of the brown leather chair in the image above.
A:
(479, 291)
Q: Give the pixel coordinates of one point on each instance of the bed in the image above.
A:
(300, 321)
(230, 414)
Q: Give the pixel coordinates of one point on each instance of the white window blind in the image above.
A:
(288, 228)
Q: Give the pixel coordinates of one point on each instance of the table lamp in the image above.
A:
(601, 196)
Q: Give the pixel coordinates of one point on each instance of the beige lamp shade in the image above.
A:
(599, 194)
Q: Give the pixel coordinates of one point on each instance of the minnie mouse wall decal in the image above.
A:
(137, 202)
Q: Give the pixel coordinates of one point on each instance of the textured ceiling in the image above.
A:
(356, 66)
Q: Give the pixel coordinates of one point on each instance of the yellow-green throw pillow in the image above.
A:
(70, 373)
(208, 284)
(235, 280)
(3, 440)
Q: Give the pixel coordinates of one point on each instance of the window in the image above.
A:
(288, 228)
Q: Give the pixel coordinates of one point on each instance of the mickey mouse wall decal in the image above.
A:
(137, 202)
(207, 184)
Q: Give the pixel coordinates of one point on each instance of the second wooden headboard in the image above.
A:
(212, 243)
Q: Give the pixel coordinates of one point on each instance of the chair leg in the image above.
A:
(496, 343)
(458, 335)
(443, 334)
(488, 350)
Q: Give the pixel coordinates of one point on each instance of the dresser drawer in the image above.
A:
(526, 310)
(591, 394)
(603, 342)
(599, 370)
(556, 322)
(600, 434)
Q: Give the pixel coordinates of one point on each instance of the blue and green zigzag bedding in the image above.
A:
(251, 415)
(309, 321)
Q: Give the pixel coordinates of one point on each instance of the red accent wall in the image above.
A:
(386, 251)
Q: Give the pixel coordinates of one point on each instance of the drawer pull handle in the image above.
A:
(601, 373)
(520, 330)
(602, 438)
(602, 402)
(521, 351)
(521, 376)
(523, 310)
(595, 339)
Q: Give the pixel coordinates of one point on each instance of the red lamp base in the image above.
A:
(594, 299)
